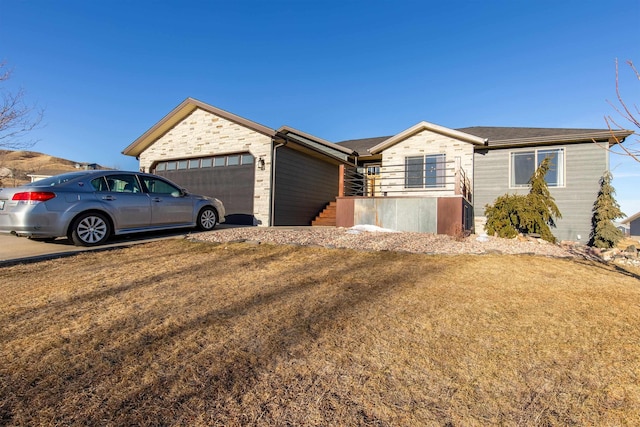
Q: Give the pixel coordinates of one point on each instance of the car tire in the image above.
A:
(207, 218)
(90, 229)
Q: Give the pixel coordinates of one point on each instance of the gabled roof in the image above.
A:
(313, 143)
(630, 219)
(497, 137)
(430, 127)
(180, 113)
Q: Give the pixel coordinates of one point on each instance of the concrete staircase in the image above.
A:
(327, 217)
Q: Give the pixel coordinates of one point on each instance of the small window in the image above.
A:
(555, 174)
(206, 162)
(522, 167)
(434, 171)
(414, 172)
(247, 159)
(524, 164)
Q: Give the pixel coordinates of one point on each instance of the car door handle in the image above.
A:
(156, 199)
(108, 198)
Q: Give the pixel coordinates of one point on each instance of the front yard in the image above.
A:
(182, 333)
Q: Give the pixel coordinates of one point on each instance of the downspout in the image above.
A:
(272, 205)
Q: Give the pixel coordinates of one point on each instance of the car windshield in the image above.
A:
(57, 179)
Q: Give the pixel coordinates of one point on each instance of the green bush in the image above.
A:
(503, 217)
(535, 212)
(606, 209)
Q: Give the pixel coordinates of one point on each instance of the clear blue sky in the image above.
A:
(106, 71)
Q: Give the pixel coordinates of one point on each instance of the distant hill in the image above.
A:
(16, 165)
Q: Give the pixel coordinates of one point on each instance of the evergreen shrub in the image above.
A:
(534, 213)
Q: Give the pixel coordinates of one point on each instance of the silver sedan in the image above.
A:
(90, 206)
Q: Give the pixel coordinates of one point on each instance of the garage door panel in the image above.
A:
(233, 185)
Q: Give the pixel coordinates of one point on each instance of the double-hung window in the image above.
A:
(525, 163)
(425, 171)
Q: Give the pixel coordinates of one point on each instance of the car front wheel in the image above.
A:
(90, 229)
(207, 218)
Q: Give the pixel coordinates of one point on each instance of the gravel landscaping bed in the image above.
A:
(356, 238)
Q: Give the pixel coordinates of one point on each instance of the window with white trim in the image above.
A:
(525, 163)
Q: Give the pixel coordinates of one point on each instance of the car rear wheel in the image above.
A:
(90, 229)
(207, 218)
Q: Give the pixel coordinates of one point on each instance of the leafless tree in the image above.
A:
(17, 118)
(629, 113)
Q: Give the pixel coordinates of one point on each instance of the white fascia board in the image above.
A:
(462, 136)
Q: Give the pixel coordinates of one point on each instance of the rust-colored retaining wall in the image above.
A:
(344, 211)
(450, 215)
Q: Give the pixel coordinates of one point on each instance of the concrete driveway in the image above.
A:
(13, 248)
(21, 249)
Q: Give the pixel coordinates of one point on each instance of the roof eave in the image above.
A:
(611, 137)
(431, 127)
(630, 219)
(289, 129)
(317, 145)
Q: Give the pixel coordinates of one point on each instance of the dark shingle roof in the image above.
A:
(503, 136)
(509, 133)
(361, 146)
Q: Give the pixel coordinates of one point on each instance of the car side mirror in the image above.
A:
(181, 193)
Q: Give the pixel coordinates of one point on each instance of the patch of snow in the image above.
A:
(482, 238)
(367, 228)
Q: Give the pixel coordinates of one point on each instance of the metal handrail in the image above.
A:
(392, 180)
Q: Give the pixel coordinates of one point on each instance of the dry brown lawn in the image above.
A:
(180, 333)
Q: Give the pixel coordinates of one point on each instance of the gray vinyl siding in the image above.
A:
(584, 165)
(303, 185)
(634, 227)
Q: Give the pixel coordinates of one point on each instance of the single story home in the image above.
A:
(427, 178)
(634, 225)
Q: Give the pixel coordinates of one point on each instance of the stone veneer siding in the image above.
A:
(420, 144)
(203, 134)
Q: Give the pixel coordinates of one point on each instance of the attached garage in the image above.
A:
(229, 178)
(263, 176)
